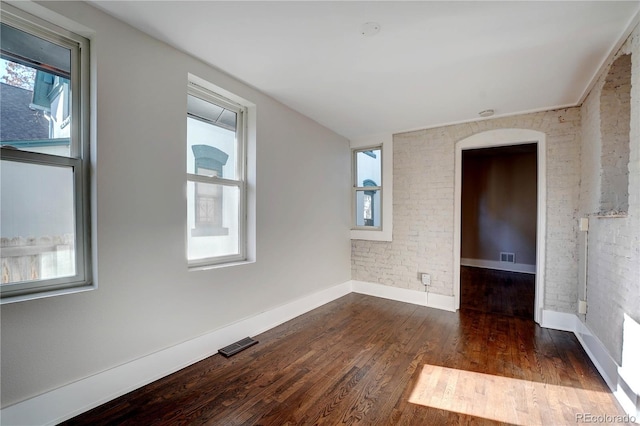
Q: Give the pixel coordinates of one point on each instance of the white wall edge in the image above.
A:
(500, 266)
(629, 371)
(597, 352)
(431, 300)
(70, 400)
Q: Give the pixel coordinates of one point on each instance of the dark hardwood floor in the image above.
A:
(498, 292)
(373, 361)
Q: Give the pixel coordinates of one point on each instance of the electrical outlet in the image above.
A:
(582, 307)
(584, 224)
(426, 279)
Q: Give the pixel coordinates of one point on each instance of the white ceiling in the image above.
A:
(432, 63)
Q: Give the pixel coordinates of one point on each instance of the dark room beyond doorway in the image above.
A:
(498, 229)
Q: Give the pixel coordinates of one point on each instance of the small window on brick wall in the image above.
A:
(367, 193)
(615, 122)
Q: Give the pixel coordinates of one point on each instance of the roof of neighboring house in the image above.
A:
(17, 120)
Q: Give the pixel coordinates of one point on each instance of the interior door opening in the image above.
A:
(498, 229)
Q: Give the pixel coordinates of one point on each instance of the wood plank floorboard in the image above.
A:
(499, 292)
(371, 361)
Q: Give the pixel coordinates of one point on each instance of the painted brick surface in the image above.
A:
(614, 128)
(613, 261)
(423, 205)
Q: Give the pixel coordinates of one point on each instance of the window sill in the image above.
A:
(371, 235)
(220, 265)
(44, 294)
(210, 231)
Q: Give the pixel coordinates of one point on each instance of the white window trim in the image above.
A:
(385, 231)
(196, 88)
(79, 159)
(355, 189)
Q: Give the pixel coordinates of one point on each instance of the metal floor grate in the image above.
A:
(238, 346)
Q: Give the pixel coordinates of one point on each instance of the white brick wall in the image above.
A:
(424, 203)
(614, 128)
(613, 274)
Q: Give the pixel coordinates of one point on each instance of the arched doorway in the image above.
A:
(496, 138)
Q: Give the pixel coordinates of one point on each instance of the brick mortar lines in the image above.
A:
(424, 203)
(614, 243)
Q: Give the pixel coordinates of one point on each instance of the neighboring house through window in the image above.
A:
(216, 178)
(372, 188)
(367, 193)
(208, 199)
(45, 159)
(369, 204)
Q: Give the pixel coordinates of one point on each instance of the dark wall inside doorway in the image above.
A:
(499, 203)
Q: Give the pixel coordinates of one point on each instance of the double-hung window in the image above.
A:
(216, 178)
(45, 246)
(372, 188)
(367, 188)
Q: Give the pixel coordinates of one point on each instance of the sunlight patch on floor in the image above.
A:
(500, 398)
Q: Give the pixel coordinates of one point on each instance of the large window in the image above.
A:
(44, 158)
(367, 188)
(216, 179)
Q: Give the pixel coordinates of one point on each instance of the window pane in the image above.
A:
(211, 140)
(38, 223)
(31, 48)
(368, 208)
(369, 168)
(212, 220)
(35, 108)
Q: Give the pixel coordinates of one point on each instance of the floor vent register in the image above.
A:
(238, 346)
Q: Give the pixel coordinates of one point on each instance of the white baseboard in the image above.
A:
(68, 401)
(388, 292)
(597, 352)
(440, 301)
(500, 266)
(599, 355)
(431, 300)
(609, 370)
(559, 321)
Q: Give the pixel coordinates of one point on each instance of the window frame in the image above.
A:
(355, 188)
(211, 96)
(385, 231)
(78, 160)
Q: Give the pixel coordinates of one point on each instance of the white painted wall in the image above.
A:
(146, 299)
